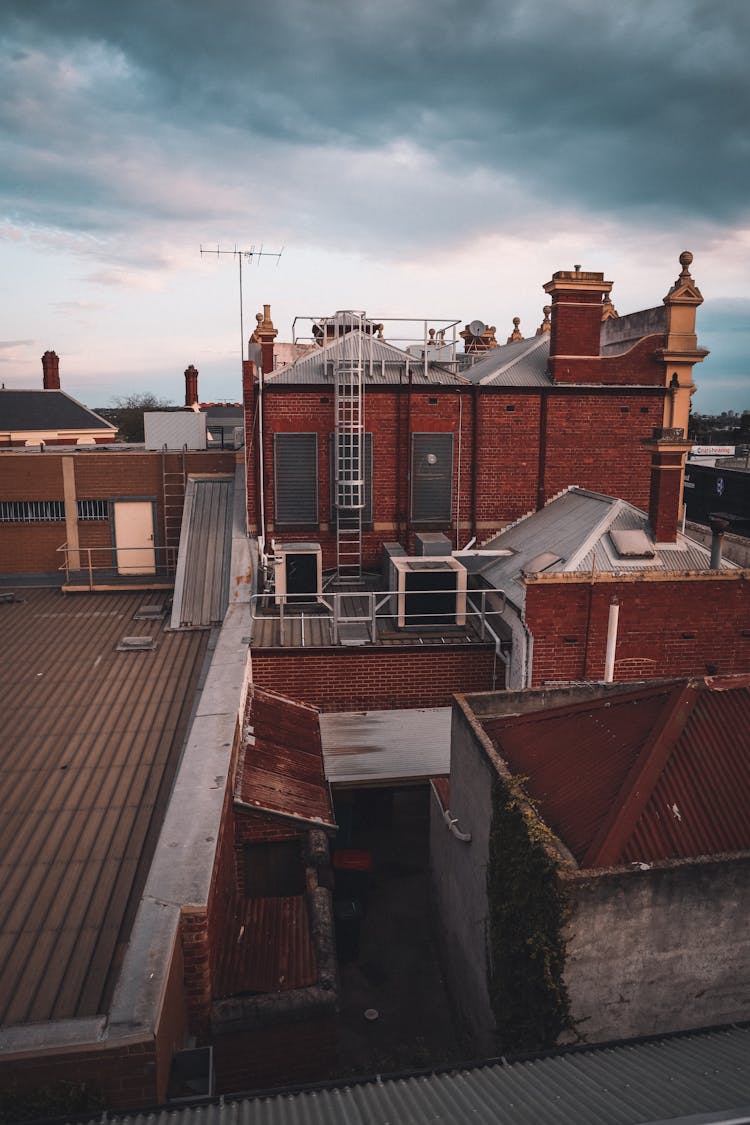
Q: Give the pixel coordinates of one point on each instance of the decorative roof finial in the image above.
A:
(609, 312)
(515, 334)
(546, 325)
(685, 259)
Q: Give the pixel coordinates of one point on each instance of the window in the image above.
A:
(49, 511)
(32, 511)
(93, 510)
(295, 461)
(367, 450)
(431, 478)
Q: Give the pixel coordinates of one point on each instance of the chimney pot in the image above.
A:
(191, 385)
(50, 371)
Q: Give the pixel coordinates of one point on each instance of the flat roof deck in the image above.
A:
(91, 738)
(366, 615)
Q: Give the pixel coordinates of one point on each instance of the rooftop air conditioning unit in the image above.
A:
(298, 572)
(430, 592)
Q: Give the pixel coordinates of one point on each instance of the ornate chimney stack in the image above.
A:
(577, 305)
(191, 385)
(669, 448)
(265, 334)
(50, 371)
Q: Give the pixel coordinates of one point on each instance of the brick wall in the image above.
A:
(530, 444)
(288, 1054)
(32, 548)
(668, 626)
(123, 1077)
(342, 680)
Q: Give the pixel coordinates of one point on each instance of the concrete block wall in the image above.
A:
(458, 872)
(659, 950)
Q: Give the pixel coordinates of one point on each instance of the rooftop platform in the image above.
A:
(92, 736)
(364, 615)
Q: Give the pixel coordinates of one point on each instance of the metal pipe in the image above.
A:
(452, 824)
(609, 659)
(458, 483)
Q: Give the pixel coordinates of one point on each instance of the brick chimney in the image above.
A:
(669, 448)
(191, 385)
(577, 297)
(51, 371)
(265, 334)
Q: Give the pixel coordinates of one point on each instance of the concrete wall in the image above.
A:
(660, 950)
(459, 880)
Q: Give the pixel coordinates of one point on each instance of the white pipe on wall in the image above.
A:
(609, 659)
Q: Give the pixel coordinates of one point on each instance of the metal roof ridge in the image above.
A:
(534, 343)
(602, 525)
(607, 846)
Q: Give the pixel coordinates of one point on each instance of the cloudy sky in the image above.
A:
(413, 159)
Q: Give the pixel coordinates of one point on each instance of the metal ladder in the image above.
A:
(173, 483)
(349, 462)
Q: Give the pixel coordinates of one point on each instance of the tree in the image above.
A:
(128, 410)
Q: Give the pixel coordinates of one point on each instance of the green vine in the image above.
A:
(55, 1099)
(528, 908)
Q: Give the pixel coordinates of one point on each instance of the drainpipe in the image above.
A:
(407, 455)
(541, 495)
(609, 659)
(452, 823)
(474, 456)
(458, 483)
(719, 523)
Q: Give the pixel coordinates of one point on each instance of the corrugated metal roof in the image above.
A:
(662, 772)
(575, 525)
(281, 762)
(46, 410)
(382, 363)
(627, 1084)
(91, 739)
(378, 746)
(521, 364)
(266, 947)
(201, 589)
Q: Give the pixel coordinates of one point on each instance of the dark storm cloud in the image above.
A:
(631, 109)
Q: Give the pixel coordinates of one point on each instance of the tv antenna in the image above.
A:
(249, 256)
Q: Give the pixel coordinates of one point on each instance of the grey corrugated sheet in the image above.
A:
(379, 746)
(706, 1074)
(90, 742)
(522, 364)
(201, 590)
(382, 363)
(575, 526)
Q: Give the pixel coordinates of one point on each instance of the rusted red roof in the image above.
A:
(658, 773)
(267, 948)
(281, 767)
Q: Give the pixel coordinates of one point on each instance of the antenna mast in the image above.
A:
(248, 255)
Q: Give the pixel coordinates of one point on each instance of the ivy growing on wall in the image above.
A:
(528, 908)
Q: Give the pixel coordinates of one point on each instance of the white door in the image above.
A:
(134, 537)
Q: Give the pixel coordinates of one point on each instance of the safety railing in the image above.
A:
(94, 566)
(376, 611)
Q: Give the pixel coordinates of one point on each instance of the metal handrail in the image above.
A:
(379, 608)
(78, 560)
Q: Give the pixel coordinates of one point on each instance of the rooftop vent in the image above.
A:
(136, 644)
(634, 544)
(149, 613)
(541, 562)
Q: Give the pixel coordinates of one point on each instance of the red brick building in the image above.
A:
(464, 444)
